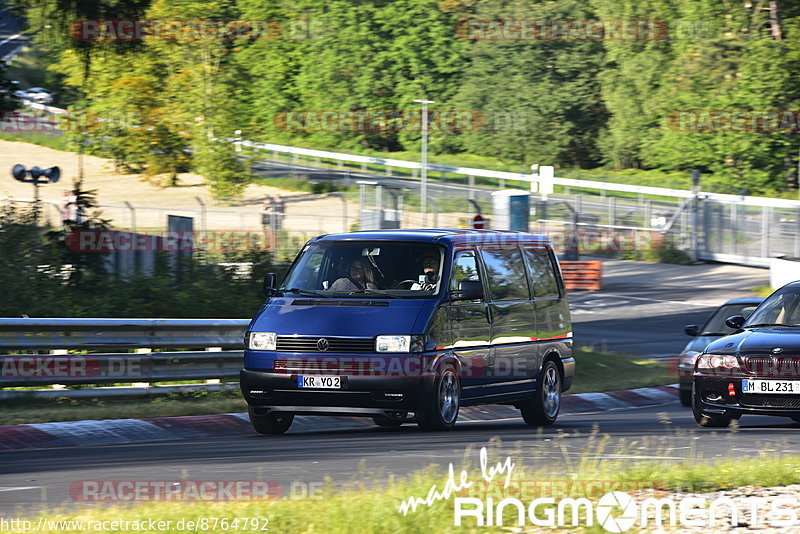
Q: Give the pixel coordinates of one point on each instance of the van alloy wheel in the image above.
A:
(445, 401)
(543, 407)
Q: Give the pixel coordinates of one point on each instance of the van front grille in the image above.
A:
(329, 365)
(331, 344)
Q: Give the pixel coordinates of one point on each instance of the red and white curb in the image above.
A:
(151, 429)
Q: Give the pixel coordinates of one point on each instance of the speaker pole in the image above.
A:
(36, 202)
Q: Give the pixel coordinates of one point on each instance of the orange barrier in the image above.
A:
(583, 274)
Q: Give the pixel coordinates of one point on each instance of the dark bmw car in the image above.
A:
(713, 329)
(756, 370)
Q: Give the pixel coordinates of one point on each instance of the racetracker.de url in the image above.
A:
(198, 524)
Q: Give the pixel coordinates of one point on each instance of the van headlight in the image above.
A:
(393, 344)
(400, 344)
(261, 340)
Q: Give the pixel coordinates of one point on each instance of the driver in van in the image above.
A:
(429, 277)
(361, 277)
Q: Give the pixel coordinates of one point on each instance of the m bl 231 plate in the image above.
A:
(771, 387)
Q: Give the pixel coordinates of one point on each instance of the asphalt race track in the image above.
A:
(298, 461)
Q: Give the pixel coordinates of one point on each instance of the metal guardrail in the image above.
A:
(92, 334)
(505, 175)
(56, 336)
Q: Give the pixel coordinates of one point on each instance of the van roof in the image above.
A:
(440, 235)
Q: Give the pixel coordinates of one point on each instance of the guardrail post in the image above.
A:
(797, 234)
(149, 367)
(471, 183)
(612, 211)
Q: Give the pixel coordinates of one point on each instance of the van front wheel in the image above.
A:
(543, 408)
(273, 423)
(443, 406)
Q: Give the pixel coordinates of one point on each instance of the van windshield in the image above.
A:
(364, 269)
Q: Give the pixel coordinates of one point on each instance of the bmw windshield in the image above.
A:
(366, 269)
(782, 308)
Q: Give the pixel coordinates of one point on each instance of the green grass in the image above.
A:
(603, 371)
(64, 409)
(763, 291)
(595, 371)
(369, 502)
(55, 141)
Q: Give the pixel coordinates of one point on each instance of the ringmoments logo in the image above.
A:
(619, 511)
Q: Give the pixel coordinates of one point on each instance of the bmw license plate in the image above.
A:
(771, 386)
(319, 382)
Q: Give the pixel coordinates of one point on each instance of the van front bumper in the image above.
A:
(358, 395)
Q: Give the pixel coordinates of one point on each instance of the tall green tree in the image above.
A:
(541, 98)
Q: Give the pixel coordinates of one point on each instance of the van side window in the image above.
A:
(542, 273)
(464, 268)
(505, 272)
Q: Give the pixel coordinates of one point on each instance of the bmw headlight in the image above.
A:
(261, 340)
(721, 363)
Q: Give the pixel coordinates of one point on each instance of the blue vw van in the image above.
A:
(408, 326)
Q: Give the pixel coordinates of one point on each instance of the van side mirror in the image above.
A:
(735, 322)
(468, 290)
(691, 330)
(270, 282)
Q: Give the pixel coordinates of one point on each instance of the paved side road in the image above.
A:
(154, 429)
(644, 307)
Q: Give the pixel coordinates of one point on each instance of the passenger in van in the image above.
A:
(429, 277)
(361, 277)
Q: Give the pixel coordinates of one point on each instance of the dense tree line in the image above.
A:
(658, 100)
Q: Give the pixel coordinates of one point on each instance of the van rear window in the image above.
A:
(542, 273)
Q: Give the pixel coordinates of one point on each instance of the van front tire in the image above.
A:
(445, 401)
(543, 408)
(272, 423)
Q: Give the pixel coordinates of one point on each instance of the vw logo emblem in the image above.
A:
(777, 350)
(323, 344)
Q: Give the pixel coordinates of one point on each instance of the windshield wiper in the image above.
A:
(306, 292)
(765, 324)
(373, 292)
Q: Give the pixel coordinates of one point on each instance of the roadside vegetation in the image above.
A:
(375, 499)
(595, 372)
(625, 109)
(63, 282)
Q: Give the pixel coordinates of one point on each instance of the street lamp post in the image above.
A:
(424, 178)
